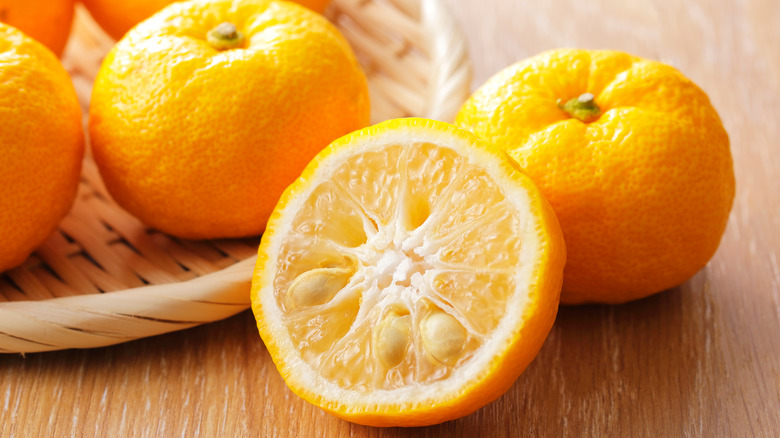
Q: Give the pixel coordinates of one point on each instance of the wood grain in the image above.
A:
(702, 359)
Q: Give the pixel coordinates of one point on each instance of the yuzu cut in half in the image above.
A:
(408, 276)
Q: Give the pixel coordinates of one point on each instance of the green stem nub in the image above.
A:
(225, 36)
(582, 108)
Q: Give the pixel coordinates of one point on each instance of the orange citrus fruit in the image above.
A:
(203, 114)
(47, 21)
(41, 144)
(631, 155)
(408, 276)
(117, 17)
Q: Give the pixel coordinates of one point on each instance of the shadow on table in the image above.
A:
(238, 331)
(604, 370)
(636, 369)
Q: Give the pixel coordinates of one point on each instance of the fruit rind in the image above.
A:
(441, 404)
(200, 143)
(42, 143)
(643, 193)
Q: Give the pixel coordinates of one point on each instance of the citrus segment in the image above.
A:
(408, 276)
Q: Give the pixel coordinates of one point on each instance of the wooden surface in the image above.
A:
(702, 359)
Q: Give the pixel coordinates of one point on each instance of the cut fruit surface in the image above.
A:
(408, 276)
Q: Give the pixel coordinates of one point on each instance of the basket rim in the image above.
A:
(90, 320)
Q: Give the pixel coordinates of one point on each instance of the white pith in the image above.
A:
(396, 266)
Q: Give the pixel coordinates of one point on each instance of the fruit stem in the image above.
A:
(225, 36)
(582, 108)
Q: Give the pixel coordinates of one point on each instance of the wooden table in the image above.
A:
(702, 359)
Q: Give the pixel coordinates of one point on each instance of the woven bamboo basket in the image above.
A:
(103, 278)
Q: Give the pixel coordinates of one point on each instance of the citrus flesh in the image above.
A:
(408, 276)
